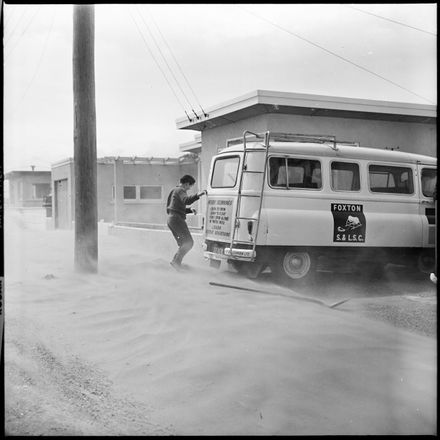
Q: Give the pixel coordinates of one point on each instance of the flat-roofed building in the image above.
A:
(27, 189)
(130, 190)
(368, 123)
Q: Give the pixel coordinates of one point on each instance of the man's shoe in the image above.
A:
(176, 266)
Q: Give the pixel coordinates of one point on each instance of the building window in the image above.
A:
(345, 176)
(391, 179)
(294, 173)
(130, 192)
(151, 193)
(143, 193)
(40, 190)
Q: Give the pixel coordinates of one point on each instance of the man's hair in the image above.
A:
(187, 179)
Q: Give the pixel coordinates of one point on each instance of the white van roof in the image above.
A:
(327, 149)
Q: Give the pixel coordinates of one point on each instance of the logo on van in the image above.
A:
(349, 223)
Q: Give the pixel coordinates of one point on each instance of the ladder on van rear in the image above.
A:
(238, 215)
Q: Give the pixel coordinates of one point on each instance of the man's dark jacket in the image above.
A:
(177, 201)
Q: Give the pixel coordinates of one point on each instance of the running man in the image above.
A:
(178, 199)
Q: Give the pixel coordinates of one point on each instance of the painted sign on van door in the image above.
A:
(219, 218)
(349, 223)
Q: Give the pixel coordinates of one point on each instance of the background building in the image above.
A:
(379, 124)
(27, 189)
(130, 191)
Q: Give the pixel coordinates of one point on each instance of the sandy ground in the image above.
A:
(139, 349)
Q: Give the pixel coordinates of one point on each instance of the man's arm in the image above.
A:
(189, 200)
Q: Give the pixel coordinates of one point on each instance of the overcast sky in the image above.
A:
(383, 52)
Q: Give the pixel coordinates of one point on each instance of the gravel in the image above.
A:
(403, 297)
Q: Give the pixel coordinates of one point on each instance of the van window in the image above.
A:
(345, 176)
(294, 173)
(225, 172)
(391, 179)
(429, 181)
(277, 172)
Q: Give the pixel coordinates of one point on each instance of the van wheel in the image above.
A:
(371, 271)
(248, 269)
(294, 266)
(426, 262)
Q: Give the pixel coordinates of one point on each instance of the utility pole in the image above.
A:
(86, 211)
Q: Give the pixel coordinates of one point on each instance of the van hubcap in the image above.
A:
(296, 264)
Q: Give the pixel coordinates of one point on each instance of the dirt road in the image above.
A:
(141, 350)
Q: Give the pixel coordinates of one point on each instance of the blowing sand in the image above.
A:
(139, 349)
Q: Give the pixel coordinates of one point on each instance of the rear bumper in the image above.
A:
(231, 254)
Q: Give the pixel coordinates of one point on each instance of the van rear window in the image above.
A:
(294, 173)
(391, 179)
(224, 174)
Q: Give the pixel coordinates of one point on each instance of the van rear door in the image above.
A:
(221, 200)
(219, 218)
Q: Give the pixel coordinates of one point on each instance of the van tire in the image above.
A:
(371, 271)
(248, 269)
(293, 266)
(426, 261)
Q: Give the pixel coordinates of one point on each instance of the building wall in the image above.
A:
(410, 137)
(138, 211)
(126, 211)
(63, 172)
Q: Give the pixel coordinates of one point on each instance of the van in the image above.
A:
(300, 203)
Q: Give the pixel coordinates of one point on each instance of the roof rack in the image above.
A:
(285, 137)
(298, 137)
(294, 137)
(239, 140)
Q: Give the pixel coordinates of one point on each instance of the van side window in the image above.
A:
(429, 181)
(345, 176)
(304, 173)
(225, 172)
(277, 172)
(294, 173)
(391, 179)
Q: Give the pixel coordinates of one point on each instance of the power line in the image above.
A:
(158, 65)
(166, 63)
(8, 19)
(40, 59)
(336, 55)
(11, 33)
(22, 33)
(392, 21)
(177, 63)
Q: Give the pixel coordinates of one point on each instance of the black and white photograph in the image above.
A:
(219, 219)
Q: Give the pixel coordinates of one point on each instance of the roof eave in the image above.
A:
(263, 102)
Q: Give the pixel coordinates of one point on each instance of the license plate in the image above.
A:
(218, 250)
